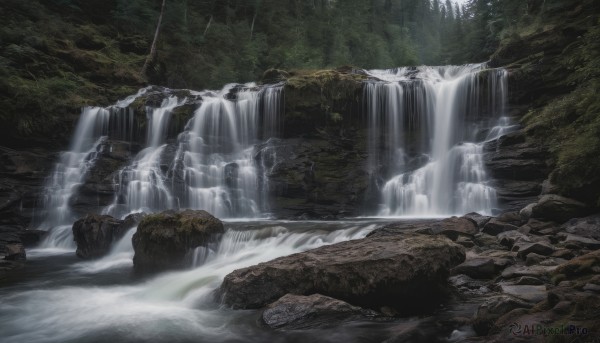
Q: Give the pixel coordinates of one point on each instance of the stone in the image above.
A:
(588, 227)
(468, 286)
(581, 265)
(563, 307)
(585, 242)
(407, 272)
(454, 227)
(534, 258)
(465, 242)
(518, 271)
(495, 227)
(478, 268)
(96, 234)
(478, 219)
(15, 252)
(524, 248)
(591, 287)
(558, 208)
(493, 308)
(529, 293)
(566, 254)
(313, 311)
(163, 240)
(525, 213)
(509, 238)
(510, 217)
(536, 226)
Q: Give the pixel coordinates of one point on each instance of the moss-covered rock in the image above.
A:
(321, 98)
(554, 67)
(163, 240)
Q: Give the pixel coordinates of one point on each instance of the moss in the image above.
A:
(569, 124)
(321, 88)
(51, 67)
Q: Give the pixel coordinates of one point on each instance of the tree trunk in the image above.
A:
(152, 55)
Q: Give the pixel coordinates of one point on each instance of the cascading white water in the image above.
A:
(174, 307)
(142, 186)
(215, 154)
(94, 124)
(426, 120)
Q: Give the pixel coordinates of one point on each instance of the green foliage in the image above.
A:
(570, 125)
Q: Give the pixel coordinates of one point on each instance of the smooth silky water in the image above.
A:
(64, 299)
(210, 165)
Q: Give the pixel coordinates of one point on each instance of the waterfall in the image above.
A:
(94, 126)
(211, 165)
(141, 185)
(423, 137)
(215, 157)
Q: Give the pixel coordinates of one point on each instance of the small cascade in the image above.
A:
(72, 166)
(214, 161)
(94, 126)
(423, 125)
(142, 186)
(121, 255)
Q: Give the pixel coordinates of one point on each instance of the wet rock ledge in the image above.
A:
(406, 273)
(536, 266)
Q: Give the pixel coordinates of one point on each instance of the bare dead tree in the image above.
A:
(152, 55)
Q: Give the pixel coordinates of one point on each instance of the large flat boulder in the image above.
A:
(402, 271)
(163, 240)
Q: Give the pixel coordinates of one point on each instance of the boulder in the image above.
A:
(163, 240)
(454, 227)
(313, 311)
(493, 308)
(529, 293)
(14, 252)
(525, 212)
(11, 246)
(558, 208)
(524, 248)
(584, 242)
(407, 272)
(508, 238)
(535, 226)
(477, 218)
(585, 227)
(95, 234)
(534, 258)
(510, 217)
(477, 268)
(581, 265)
(495, 226)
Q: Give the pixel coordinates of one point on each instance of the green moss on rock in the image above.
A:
(163, 240)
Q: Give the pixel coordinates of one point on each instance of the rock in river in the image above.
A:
(300, 312)
(95, 234)
(163, 239)
(406, 272)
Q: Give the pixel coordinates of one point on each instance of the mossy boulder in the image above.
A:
(163, 240)
(406, 272)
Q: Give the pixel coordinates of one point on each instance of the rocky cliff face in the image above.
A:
(553, 76)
